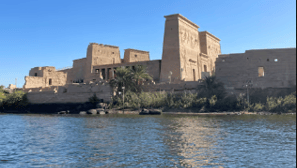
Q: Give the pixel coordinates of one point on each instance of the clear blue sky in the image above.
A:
(54, 32)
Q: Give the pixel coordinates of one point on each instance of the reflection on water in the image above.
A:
(195, 140)
(147, 141)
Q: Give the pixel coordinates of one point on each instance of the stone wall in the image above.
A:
(189, 49)
(33, 82)
(72, 93)
(210, 46)
(46, 76)
(36, 71)
(186, 51)
(77, 72)
(132, 55)
(170, 55)
(176, 87)
(279, 68)
(99, 54)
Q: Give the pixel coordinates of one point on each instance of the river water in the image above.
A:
(147, 141)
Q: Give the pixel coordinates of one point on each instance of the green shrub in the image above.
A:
(257, 107)
(94, 99)
(187, 99)
(15, 100)
(289, 103)
(199, 102)
(274, 104)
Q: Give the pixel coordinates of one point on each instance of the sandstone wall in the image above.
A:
(210, 45)
(99, 54)
(186, 51)
(189, 49)
(132, 55)
(36, 71)
(77, 72)
(47, 76)
(73, 93)
(236, 69)
(33, 82)
(57, 78)
(179, 87)
(170, 55)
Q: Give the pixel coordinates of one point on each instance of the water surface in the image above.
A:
(147, 141)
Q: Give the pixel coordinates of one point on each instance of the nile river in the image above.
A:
(147, 141)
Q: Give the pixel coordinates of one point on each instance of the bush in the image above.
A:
(16, 100)
(199, 102)
(94, 99)
(188, 99)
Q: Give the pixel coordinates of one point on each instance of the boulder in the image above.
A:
(101, 105)
(144, 112)
(62, 112)
(101, 112)
(83, 112)
(155, 112)
(92, 111)
(99, 109)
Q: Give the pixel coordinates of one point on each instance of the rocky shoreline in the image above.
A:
(103, 108)
(102, 111)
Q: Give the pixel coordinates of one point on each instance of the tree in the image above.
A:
(130, 78)
(3, 94)
(139, 75)
(123, 78)
(210, 86)
(16, 100)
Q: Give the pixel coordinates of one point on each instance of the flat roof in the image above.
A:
(184, 18)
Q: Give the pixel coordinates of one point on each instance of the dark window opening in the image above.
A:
(108, 73)
(205, 68)
(35, 74)
(50, 82)
(135, 55)
(194, 75)
(267, 59)
(133, 67)
(112, 52)
(247, 57)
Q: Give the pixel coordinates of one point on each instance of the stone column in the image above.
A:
(100, 75)
(112, 69)
(106, 71)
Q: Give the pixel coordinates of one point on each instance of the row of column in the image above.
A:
(105, 74)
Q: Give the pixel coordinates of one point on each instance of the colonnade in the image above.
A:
(108, 73)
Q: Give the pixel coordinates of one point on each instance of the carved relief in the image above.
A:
(184, 59)
(188, 37)
(192, 61)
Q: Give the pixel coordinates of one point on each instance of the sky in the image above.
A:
(55, 32)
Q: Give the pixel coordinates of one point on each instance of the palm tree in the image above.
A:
(130, 78)
(139, 75)
(123, 78)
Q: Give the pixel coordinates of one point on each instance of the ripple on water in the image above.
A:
(147, 141)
